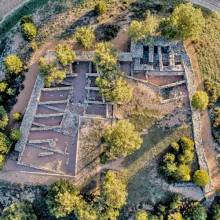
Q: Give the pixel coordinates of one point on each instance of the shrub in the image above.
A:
(3, 86)
(15, 135)
(175, 146)
(169, 169)
(143, 30)
(50, 73)
(100, 7)
(2, 161)
(29, 31)
(141, 215)
(4, 144)
(201, 178)
(121, 139)
(183, 173)
(17, 116)
(200, 100)
(65, 54)
(19, 211)
(215, 212)
(198, 212)
(13, 64)
(85, 36)
(186, 143)
(3, 118)
(169, 158)
(175, 216)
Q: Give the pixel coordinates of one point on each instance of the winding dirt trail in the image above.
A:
(30, 78)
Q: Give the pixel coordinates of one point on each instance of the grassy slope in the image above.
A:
(143, 184)
(208, 49)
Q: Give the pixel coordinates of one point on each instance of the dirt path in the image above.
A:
(206, 124)
(213, 5)
(30, 78)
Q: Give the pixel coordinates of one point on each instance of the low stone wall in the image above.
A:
(29, 114)
(196, 119)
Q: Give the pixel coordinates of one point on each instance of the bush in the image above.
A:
(2, 161)
(19, 211)
(5, 144)
(141, 215)
(3, 118)
(143, 30)
(200, 100)
(15, 135)
(100, 7)
(65, 54)
(196, 213)
(29, 31)
(50, 73)
(121, 139)
(215, 212)
(85, 36)
(17, 116)
(201, 178)
(13, 64)
(175, 146)
(183, 173)
(3, 86)
(175, 216)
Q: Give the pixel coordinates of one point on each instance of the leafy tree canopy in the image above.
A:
(65, 54)
(3, 118)
(13, 64)
(121, 139)
(185, 22)
(201, 178)
(200, 100)
(85, 36)
(29, 31)
(141, 215)
(19, 211)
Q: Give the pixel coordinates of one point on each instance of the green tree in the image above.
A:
(114, 191)
(5, 144)
(201, 178)
(85, 36)
(100, 7)
(19, 211)
(186, 143)
(17, 116)
(15, 135)
(3, 86)
(65, 54)
(141, 215)
(143, 30)
(106, 59)
(185, 22)
(3, 118)
(121, 139)
(183, 173)
(175, 216)
(29, 31)
(13, 64)
(198, 212)
(62, 198)
(215, 212)
(50, 73)
(200, 100)
(2, 161)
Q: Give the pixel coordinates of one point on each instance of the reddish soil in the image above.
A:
(164, 80)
